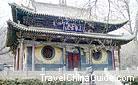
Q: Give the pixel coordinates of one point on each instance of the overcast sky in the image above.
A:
(5, 11)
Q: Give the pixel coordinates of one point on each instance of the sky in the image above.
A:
(102, 7)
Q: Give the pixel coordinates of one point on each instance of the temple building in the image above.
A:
(54, 36)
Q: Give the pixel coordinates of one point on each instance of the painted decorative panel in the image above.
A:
(65, 24)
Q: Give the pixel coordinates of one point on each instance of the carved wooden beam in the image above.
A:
(77, 40)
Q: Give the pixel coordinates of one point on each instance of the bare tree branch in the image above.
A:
(136, 26)
(129, 16)
(2, 32)
(116, 7)
(109, 6)
(2, 53)
(137, 1)
(95, 4)
(2, 48)
(108, 16)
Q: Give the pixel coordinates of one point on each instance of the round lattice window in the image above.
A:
(48, 52)
(97, 55)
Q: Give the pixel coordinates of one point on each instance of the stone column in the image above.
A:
(113, 57)
(64, 57)
(116, 57)
(21, 54)
(33, 57)
(14, 63)
(16, 60)
(64, 54)
(25, 59)
(90, 59)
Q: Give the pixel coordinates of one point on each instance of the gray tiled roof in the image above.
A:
(57, 10)
(59, 32)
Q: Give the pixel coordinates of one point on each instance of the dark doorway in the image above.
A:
(73, 60)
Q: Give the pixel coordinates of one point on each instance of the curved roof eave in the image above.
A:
(85, 35)
(101, 26)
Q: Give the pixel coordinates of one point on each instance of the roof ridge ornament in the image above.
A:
(62, 2)
(28, 5)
